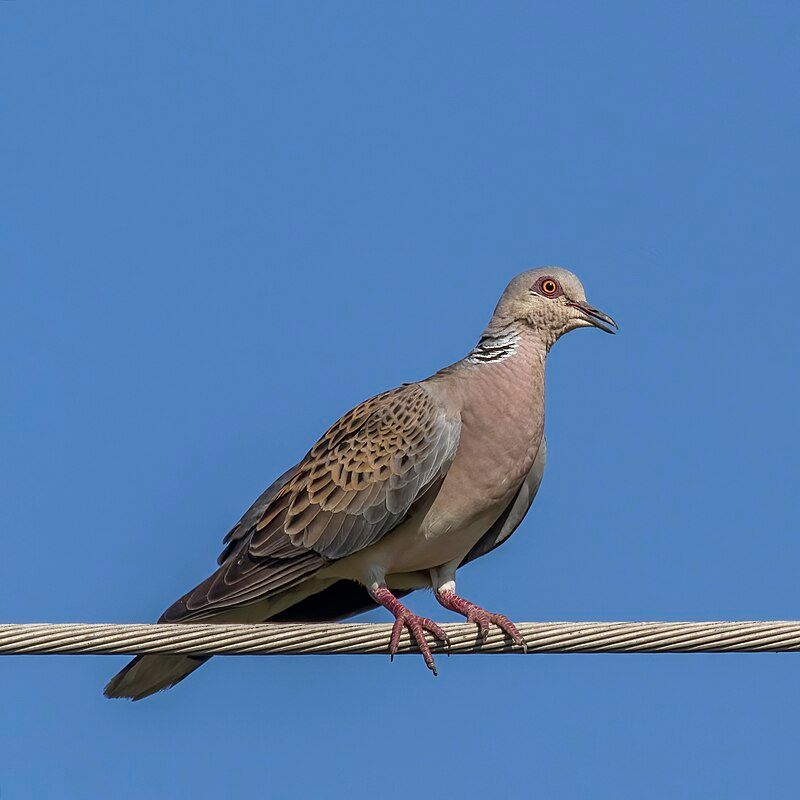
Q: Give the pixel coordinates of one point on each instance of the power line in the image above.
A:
(360, 639)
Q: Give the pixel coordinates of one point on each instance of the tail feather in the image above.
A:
(146, 675)
(314, 602)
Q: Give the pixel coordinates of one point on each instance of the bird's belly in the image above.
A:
(431, 545)
(418, 544)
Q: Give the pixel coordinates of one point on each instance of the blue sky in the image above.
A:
(225, 224)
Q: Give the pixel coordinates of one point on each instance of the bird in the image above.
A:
(397, 495)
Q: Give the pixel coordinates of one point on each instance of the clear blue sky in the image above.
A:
(225, 224)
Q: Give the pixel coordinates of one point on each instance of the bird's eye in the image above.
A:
(548, 287)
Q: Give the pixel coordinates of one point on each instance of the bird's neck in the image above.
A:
(497, 343)
(504, 351)
(501, 384)
(502, 341)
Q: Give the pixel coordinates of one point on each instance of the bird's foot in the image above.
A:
(482, 618)
(416, 626)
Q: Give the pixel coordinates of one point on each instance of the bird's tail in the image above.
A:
(146, 675)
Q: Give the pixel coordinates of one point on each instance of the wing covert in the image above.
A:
(354, 485)
(362, 477)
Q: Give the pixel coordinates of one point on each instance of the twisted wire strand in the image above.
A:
(366, 639)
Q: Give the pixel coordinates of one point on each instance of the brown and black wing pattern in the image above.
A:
(356, 484)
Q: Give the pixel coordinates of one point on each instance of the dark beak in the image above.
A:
(597, 318)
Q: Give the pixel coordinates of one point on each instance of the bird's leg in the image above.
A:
(446, 595)
(405, 619)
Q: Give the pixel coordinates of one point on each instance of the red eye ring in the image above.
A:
(548, 286)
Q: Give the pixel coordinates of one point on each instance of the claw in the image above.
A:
(482, 618)
(416, 627)
(508, 627)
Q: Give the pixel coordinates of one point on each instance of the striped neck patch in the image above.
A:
(494, 346)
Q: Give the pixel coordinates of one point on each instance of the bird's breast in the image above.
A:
(502, 423)
(502, 428)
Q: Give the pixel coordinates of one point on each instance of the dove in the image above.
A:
(396, 495)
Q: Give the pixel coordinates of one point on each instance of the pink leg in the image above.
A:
(481, 617)
(405, 619)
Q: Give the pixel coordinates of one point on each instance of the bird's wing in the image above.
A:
(253, 514)
(517, 509)
(362, 477)
(356, 483)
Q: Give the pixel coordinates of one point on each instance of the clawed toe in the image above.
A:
(432, 627)
(482, 618)
(510, 629)
(417, 627)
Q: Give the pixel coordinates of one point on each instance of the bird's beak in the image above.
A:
(596, 318)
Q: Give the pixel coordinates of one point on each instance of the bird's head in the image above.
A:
(551, 300)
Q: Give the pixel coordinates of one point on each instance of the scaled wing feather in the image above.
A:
(364, 475)
(360, 480)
